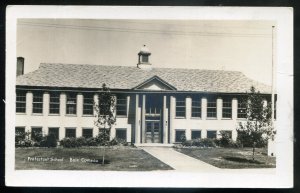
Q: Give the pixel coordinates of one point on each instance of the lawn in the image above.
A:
(120, 159)
(231, 157)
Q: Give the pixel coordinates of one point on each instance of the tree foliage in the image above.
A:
(258, 127)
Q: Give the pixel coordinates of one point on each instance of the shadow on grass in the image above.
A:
(242, 160)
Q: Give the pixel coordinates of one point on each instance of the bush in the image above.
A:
(118, 141)
(49, 141)
(200, 143)
(91, 141)
(69, 142)
(244, 139)
(225, 140)
(81, 141)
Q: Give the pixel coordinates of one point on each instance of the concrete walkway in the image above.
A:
(179, 161)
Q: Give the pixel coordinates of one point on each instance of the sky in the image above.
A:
(244, 46)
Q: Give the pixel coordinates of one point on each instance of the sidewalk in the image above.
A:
(179, 161)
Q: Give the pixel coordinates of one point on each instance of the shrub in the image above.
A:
(118, 141)
(91, 141)
(81, 141)
(69, 142)
(49, 141)
(225, 140)
(200, 143)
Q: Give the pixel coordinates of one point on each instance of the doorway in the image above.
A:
(153, 131)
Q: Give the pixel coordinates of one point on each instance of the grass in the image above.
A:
(119, 158)
(232, 158)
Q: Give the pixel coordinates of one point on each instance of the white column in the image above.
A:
(188, 134)
(62, 105)
(203, 133)
(128, 104)
(143, 118)
(79, 105)
(172, 116)
(78, 131)
(137, 120)
(46, 100)
(61, 133)
(29, 99)
(188, 107)
(219, 108)
(234, 109)
(203, 108)
(165, 121)
(96, 102)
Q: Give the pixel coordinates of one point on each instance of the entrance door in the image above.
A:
(152, 132)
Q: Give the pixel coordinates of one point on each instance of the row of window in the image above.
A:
(211, 108)
(71, 103)
(69, 132)
(196, 134)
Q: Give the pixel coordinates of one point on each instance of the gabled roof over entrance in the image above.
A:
(129, 77)
(154, 83)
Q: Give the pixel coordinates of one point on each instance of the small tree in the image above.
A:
(105, 117)
(258, 125)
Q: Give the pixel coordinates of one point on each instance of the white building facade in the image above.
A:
(153, 105)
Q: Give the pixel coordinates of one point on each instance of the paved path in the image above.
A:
(179, 161)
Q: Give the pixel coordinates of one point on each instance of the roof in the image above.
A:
(129, 77)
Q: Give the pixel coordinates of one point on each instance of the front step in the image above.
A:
(153, 145)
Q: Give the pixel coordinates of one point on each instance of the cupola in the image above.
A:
(144, 55)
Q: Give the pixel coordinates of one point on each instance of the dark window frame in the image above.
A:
(70, 98)
(121, 105)
(242, 110)
(207, 134)
(178, 138)
(21, 102)
(51, 132)
(70, 132)
(180, 108)
(211, 108)
(122, 130)
(33, 132)
(54, 103)
(194, 131)
(227, 108)
(88, 104)
(89, 135)
(196, 108)
(37, 103)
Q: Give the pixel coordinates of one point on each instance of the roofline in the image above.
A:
(159, 79)
(80, 89)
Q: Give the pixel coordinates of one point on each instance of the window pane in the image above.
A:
(121, 134)
(37, 103)
(54, 131)
(71, 132)
(71, 103)
(180, 107)
(211, 134)
(36, 133)
(21, 102)
(20, 133)
(54, 103)
(196, 108)
(241, 109)
(211, 107)
(88, 104)
(87, 133)
(179, 135)
(196, 135)
(121, 106)
(227, 108)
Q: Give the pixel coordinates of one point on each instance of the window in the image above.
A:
(211, 134)
(54, 131)
(121, 105)
(144, 58)
(71, 104)
(88, 104)
(180, 135)
(180, 107)
(36, 133)
(196, 107)
(121, 134)
(211, 108)
(37, 103)
(87, 133)
(71, 132)
(227, 108)
(20, 133)
(21, 102)
(54, 103)
(196, 134)
(242, 113)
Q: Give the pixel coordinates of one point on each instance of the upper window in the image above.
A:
(196, 107)
(54, 103)
(241, 111)
(21, 102)
(180, 107)
(145, 58)
(88, 104)
(227, 108)
(71, 103)
(211, 107)
(121, 105)
(37, 103)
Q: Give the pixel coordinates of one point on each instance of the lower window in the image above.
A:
(87, 133)
(196, 135)
(229, 133)
(54, 131)
(20, 133)
(71, 132)
(36, 133)
(121, 134)
(212, 134)
(180, 136)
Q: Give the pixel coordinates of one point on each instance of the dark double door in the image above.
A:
(153, 132)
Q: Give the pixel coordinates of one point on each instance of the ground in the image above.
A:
(231, 157)
(120, 159)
